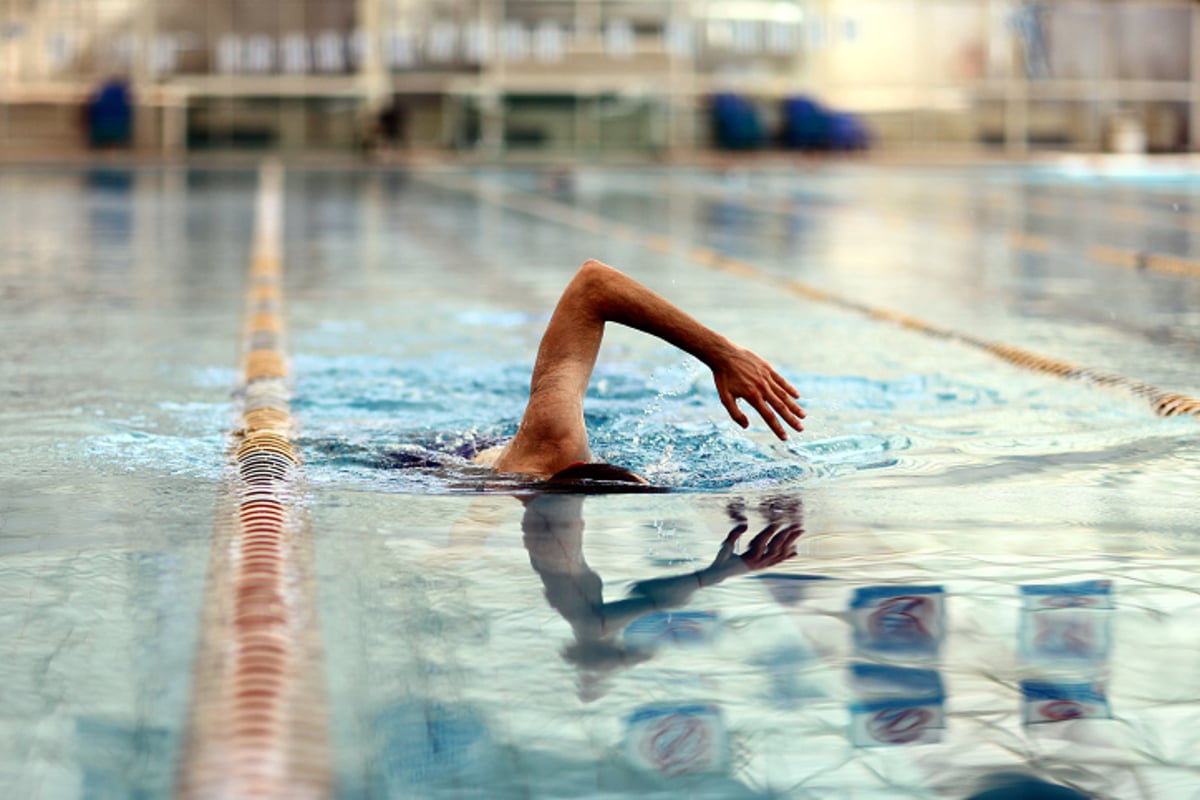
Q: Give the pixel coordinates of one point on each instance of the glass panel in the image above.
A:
(1153, 43)
(1070, 41)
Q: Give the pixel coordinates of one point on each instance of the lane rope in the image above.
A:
(1164, 403)
(1113, 256)
(258, 726)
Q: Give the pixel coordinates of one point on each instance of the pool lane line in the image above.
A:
(1141, 260)
(1132, 258)
(258, 726)
(1123, 210)
(1164, 403)
(1036, 243)
(1109, 255)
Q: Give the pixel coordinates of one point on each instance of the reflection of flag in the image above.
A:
(1082, 594)
(1067, 634)
(1066, 622)
(1045, 701)
(899, 619)
(896, 706)
(897, 723)
(677, 739)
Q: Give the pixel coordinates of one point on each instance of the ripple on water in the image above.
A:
(374, 423)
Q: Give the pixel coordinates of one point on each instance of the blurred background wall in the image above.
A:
(594, 77)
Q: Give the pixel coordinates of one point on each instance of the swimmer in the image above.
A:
(552, 442)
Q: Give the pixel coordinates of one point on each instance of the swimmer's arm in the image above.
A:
(604, 294)
(552, 434)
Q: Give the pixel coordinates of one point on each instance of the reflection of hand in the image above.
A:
(746, 376)
(773, 545)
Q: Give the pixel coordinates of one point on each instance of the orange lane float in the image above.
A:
(258, 727)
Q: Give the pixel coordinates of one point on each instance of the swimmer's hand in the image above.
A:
(741, 374)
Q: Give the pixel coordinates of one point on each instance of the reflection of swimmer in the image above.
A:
(552, 436)
(553, 531)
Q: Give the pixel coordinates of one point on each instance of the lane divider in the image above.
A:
(1140, 260)
(1029, 241)
(258, 726)
(1176, 207)
(1164, 403)
(1017, 240)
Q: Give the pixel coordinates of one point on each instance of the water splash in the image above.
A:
(412, 425)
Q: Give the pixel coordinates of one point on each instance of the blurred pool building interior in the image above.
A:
(272, 272)
(594, 77)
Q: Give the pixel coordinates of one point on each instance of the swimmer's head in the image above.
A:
(597, 479)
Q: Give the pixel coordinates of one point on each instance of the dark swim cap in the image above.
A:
(598, 479)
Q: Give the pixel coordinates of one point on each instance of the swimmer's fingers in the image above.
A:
(787, 408)
(772, 546)
(742, 375)
(777, 547)
(764, 410)
(783, 383)
(788, 395)
(731, 406)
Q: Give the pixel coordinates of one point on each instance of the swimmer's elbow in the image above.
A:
(590, 287)
(594, 274)
(596, 280)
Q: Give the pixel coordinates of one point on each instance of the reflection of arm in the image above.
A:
(676, 590)
(660, 594)
(656, 594)
(553, 534)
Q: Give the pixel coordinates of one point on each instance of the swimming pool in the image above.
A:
(997, 566)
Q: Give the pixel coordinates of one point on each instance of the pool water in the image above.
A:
(997, 566)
